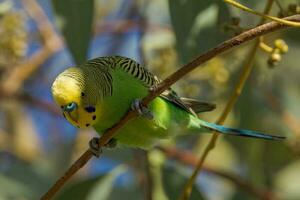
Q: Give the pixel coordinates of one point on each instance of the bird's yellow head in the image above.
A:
(69, 92)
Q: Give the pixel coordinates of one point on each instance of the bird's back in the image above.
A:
(129, 84)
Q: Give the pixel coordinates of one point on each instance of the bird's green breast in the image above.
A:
(140, 132)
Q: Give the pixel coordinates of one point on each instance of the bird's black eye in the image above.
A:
(70, 107)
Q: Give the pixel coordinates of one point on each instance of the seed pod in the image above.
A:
(281, 45)
(274, 59)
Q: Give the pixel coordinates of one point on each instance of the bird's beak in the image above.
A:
(73, 116)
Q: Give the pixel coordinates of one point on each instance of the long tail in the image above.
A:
(238, 132)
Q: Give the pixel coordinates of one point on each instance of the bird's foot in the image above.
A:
(141, 109)
(95, 147)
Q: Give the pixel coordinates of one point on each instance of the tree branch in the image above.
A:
(229, 44)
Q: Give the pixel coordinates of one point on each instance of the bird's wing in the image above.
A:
(171, 96)
(149, 80)
(198, 106)
(191, 105)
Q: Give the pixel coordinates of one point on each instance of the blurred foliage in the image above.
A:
(37, 145)
(174, 182)
(77, 35)
(193, 21)
(100, 188)
(13, 34)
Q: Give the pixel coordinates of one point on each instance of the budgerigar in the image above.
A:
(99, 92)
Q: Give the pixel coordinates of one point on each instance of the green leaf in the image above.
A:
(14, 189)
(130, 193)
(223, 13)
(102, 189)
(195, 26)
(74, 18)
(99, 188)
(174, 180)
(20, 173)
(78, 190)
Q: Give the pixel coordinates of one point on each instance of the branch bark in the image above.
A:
(229, 44)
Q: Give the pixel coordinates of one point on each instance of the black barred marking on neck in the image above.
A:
(127, 65)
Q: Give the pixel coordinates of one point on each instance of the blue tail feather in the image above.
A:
(238, 132)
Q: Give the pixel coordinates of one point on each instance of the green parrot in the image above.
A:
(99, 92)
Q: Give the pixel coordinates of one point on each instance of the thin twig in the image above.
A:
(122, 26)
(30, 100)
(231, 102)
(287, 117)
(148, 179)
(264, 15)
(190, 159)
(16, 76)
(229, 44)
(280, 6)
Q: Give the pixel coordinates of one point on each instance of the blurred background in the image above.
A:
(40, 38)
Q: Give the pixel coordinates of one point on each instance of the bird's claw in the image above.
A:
(136, 106)
(112, 143)
(95, 147)
(141, 109)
